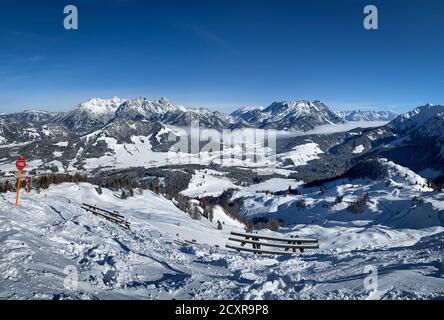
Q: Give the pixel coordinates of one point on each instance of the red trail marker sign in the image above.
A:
(20, 164)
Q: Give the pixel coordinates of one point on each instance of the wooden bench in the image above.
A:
(290, 245)
(113, 217)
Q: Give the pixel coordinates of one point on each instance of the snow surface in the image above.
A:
(359, 149)
(208, 183)
(302, 154)
(211, 183)
(220, 215)
(273, 185)
(57, 154)
(391, 208)
(139, 153)
(57, 164)
(49, 235)
(62, 144)
(101, 106)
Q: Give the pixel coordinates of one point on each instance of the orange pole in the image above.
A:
(18, 189)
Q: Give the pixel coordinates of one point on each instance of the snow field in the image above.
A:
(49, 234)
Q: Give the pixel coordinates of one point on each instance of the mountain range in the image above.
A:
(358, 115)
(301, 115)
(118, 133)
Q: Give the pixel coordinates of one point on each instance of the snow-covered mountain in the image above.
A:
(419, 116)
(248, 114)
(432, 127)
(138, 132)
(300, 115)
(170, 113)
(143, 109)
(35, 116)
(206, 119)
(358, 115)
(95, 113)
(17, 132)
(90, 115)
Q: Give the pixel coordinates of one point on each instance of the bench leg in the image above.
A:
(299, 243)
(258, 246)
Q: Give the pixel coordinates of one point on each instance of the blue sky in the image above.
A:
(222, 54)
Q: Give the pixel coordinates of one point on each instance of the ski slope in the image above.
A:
(48, 239)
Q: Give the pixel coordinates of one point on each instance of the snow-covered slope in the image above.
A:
(208, 183)
(300, 155)
(414, 119)
(392, 203)
(420, 139)
(52, 249)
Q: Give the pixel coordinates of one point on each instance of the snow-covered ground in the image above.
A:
(208, 183)
(49, 239)
(359, 149)
(392, 217)
(302, 154)
(139, 153)
(211, 183)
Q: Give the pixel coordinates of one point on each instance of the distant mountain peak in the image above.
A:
(143, 108)
(417, 117)
(301, 106)
(245, 109)
(101, 106)
(290, 114)
(89, 115)
(367, 115)
(164, 100)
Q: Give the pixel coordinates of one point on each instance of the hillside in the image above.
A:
(49, 235)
